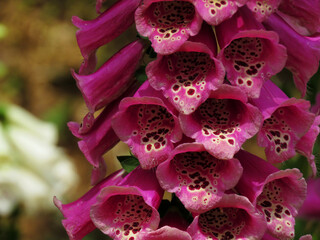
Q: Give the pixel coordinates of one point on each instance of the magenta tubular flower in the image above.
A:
(168, 24)
(303, 52)
(197, 178)
(152, 129)
(215, 12)
(263, 9)
(250, 54)
(129, 209)
(97, 135)
(311, 206)
(223, 122)
(233, 217)
(109, 25)
(186, 76)
(276, 194)
(302, 14)
(112, 78)
(306, 143)
(77, 220)
(282, 128)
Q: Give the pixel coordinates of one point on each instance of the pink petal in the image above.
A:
(234, 217)
(223, 122)
(186, 76)
(311, 206)
(129, 209)
(303, 52)
(109, 25)
(306, 143)
(197, 178)
(304, 12)
(77, 220)
(277, 194)
(97, 135)
(112, 79)
(215, 12)
(168, 24)
(263, 9)
(167, 233)
(152, 129)
(250, 54)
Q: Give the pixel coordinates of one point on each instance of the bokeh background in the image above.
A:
(37, 50)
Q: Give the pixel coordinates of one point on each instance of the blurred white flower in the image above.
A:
(32, 167)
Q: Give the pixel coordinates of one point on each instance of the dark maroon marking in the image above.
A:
(267, 213)
(191, 92)
(266, 204)
(175, 87)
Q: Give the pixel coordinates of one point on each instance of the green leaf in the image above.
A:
(141, 75)
(128, 163)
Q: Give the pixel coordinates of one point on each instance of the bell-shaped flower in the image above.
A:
(168, 24)
(311, 206)
(77, 220)
(302, 15)
(223, 122)
(250, 54)
(282, 128)
(112, 78)
(97, 136)
(303, 52)
(215, 12)
(263, 9)
(149, 125)
(277, 194)
(129, 209)
(187, 76)
(233, 217)
(197, 178)
(306, 143)
(93, 34)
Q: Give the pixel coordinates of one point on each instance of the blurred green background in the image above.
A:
(37, 50)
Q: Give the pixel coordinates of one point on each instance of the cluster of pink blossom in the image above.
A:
(206, 93)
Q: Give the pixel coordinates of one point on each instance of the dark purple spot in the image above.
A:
(191, 92)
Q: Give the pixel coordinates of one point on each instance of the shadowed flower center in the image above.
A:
(223, 223)
(219, 121)
(247, 56)
(277, 131)
(130, 214)
(188, 72)
(170, 19)
(154, 125)
(199, 171)
(272, 204)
